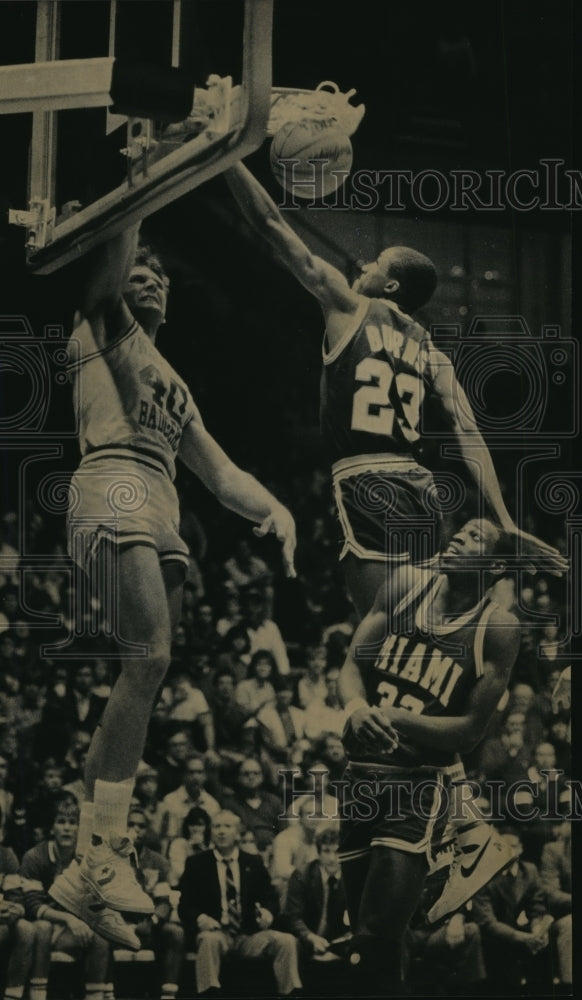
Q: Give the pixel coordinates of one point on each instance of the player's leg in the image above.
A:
(107, 867)
(19, 939)
(479, 852)
(363, 577)
(389, 897)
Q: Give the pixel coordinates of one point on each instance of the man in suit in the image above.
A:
(514, 920)
(556, 875)
(316, 901)
(228, 903)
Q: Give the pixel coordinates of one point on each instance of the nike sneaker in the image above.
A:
(71, 892)
(109, 868)
(480, 855)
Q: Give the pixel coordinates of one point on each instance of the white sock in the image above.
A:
(169, 991)
(112, 801)
(86, 824)
(14, 993)
(37, 989)
(94, 991)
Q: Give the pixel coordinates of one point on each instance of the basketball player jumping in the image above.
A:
(425, 671)
(379, 370)
(135, 415)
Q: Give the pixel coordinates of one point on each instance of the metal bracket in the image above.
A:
(39, 221)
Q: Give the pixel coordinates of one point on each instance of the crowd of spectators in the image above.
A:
(251, 691)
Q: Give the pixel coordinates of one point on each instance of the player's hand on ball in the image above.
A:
(281, 523)
(372, 729)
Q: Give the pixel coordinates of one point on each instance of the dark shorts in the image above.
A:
(383, 806)
(388, 510)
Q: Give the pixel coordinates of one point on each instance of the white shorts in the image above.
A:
(124, 502)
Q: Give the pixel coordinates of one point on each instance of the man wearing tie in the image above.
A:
(228, 903)
(316, 901)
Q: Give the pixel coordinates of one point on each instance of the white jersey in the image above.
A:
(129, 401)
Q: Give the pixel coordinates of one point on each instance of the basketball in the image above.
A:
(306, 140)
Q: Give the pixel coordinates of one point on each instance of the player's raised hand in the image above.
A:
(538, 555)
(281, 523)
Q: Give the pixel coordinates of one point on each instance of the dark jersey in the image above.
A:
(427, 672)
(373, 384)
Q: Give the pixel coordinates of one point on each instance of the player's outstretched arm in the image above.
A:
(237, 489)
(477, 458)
(108, 269)
(462, 733)
(323, 280)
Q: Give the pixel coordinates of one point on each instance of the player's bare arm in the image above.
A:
(325, 282)
(102, 302)
(459, 415)
(462, 733)
(237, 489)
(367, 722)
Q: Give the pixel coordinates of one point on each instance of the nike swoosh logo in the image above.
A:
(106, 878)
(467, 870)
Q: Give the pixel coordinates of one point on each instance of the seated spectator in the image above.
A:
(294, 848)
(158, 932)
(547, 785)
(231, 615)
(316, 901)
(227, 905)
(146, 791)
(56, 928)
(6, 797)
(17, 935)
(258, 809)
(329, 748)
(319, 794)
(556, 876)
(505, 757)
(258, 689)
(234, 652)
(229, 719)
(177, 804)
(76, 756)
(522, 699)
(190, 705)
(101, 678)
(263, 632)
(39, 803)
(327, 716)
(194, 839)
(203, 635)
(514, 920)
(282, 726)
(244, 568)
(80, 709)
(26, 651)
(312, 685)
(172, 765)
(450, 954)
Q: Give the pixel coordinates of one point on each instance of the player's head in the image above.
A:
(146, 292)
(401, 274)
(479, 543)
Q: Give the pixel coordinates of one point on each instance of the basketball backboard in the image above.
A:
(94, 172)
